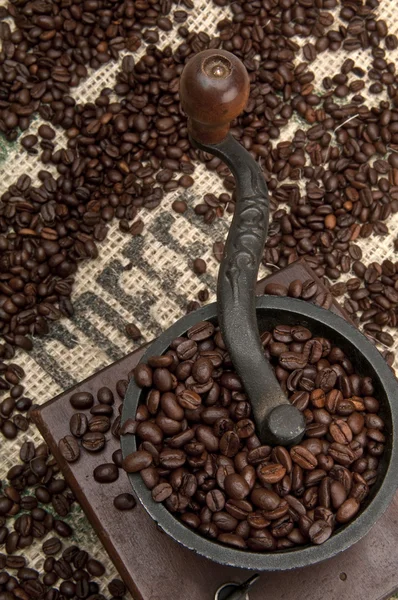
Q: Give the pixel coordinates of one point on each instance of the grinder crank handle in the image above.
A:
(214, 89)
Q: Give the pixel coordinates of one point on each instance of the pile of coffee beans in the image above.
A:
(10, 383)
(199, 454)
(34, 503)
(52, 48)
(377, 298)
(88, 433)
(31, 497)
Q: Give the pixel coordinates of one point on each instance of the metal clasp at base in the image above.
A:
(236, 591)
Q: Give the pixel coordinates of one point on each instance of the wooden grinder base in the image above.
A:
(155, 567)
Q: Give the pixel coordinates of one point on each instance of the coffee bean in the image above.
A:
(189, 399)
(133, 332)
(215, 500)
(199, 266)
(319, 532)
(303, 457)
(265, 499)
(52, 546)
(201, 331)
(106, 473)
(137, 461)
(229, 444)
(161, 492)
(99, 423)
(82, 400)
(69, 448)
(186, 349)
(105, 396)
(60, 505)
(27, 451)
(102, 409)
(62, 528)
(29, 141)
(270, 473)
(275, 289)
(347, 510)
(95, 567)
(93, 441)
(179, 206)
(124, 501)
(143, 375)
(78, 424)
(116, 587)
(202, 370)
(236, 486)
(46, 132)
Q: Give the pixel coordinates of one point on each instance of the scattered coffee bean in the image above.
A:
(82, 400)
(106, 473)
(124, 501)
(69, 448)
(133, 332)
(199, 266)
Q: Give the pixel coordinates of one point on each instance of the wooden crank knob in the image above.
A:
(214, 89)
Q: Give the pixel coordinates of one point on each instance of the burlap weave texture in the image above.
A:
(155, 292)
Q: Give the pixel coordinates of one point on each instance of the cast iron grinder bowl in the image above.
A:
(214, 89)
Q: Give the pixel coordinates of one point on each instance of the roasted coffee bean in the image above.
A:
(106, 473)
(150, 432)
(265, 499)
(161, 492)
(82, 400)
(170, 407)
(347, 510)
(95, 567)
(102, 409)
(78, 424)
(124, 501)
(27, 451)
(338, 494)
(224, 521)
(143, 375)
(60, 505)
(63, 569)
(137, 461)
(69, 448)
(236, 486)
(215, 500)
(189, 399)
(229, 444)
(270, 473)
(202, 370)
(105, 396)
(319, 532)
(52, 546)
(303, 457)
(201, 331)
(99, 423)
(259, 454)
(62, 528)
(116, 587)
(93, 441)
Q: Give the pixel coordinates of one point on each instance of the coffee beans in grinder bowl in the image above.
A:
(257, 432)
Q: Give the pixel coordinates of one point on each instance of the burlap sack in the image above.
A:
(156, 290)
